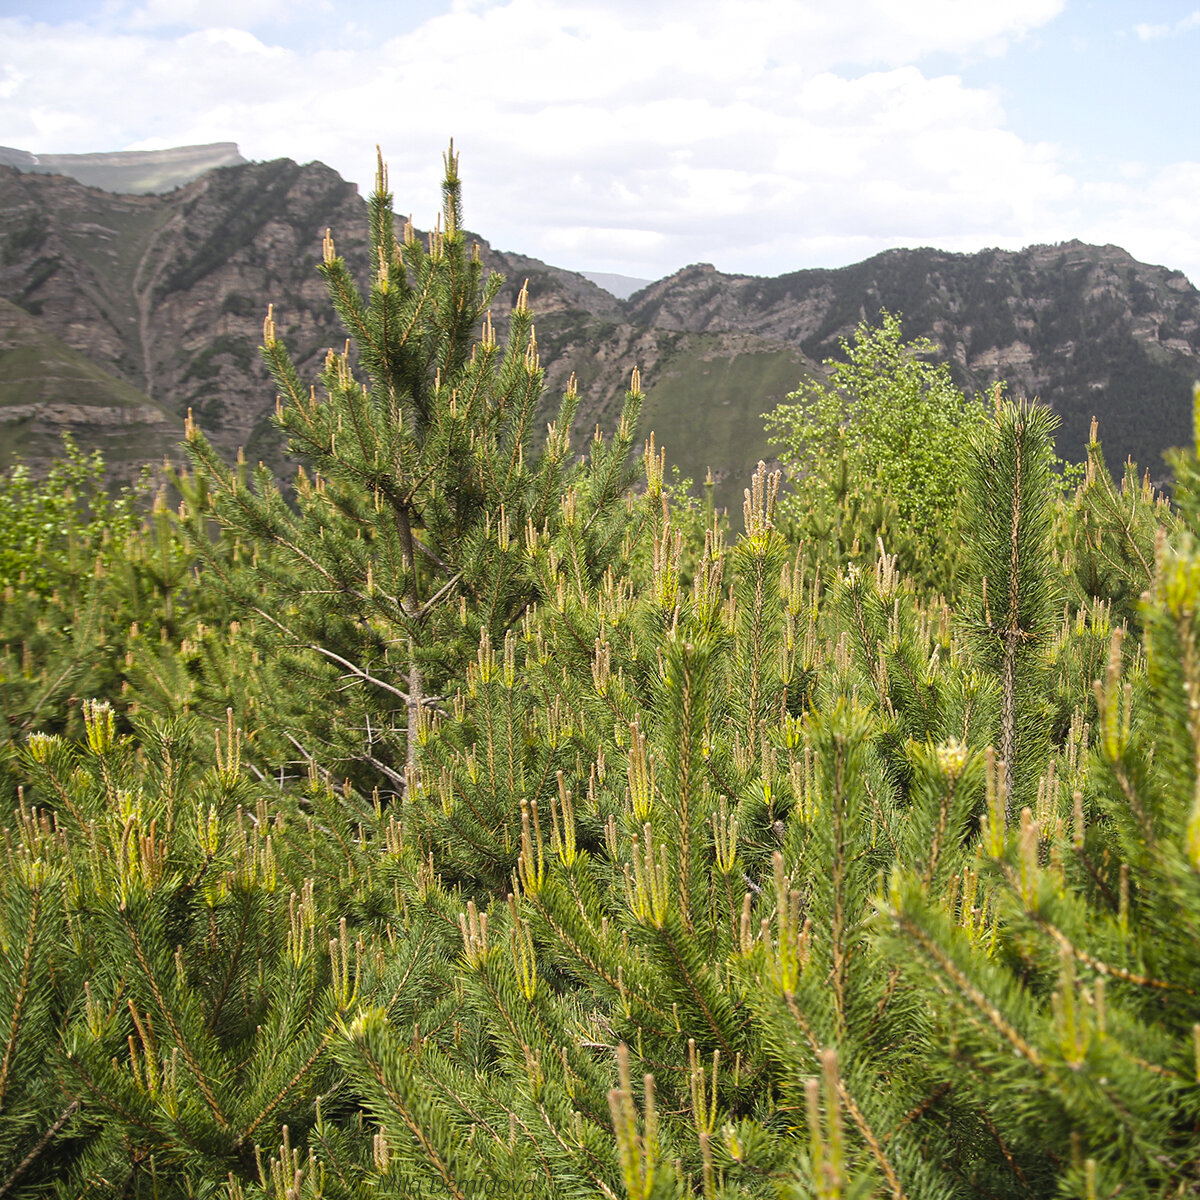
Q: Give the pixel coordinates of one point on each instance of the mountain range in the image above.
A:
(123, 310)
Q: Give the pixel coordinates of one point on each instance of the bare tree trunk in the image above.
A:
(412, 604)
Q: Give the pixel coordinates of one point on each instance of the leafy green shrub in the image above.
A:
(56, 525)
(876, 451)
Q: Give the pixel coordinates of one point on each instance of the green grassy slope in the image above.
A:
(46, 387)
(705, 403)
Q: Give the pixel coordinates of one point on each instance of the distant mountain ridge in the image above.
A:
(1088, 329)
(621, 286)
(166, 293)
(129, 171)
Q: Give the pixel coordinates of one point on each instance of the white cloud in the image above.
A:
(603, 134)
(1156, 219)
(11, 82)
(1149, 33)
(200, 14)
(239, 41)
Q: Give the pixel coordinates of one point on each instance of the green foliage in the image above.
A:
(1106, 533)
(887, 426)
(69, 548)
(616, 859)
(187, 942)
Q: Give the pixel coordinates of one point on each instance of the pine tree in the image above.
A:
(1107, 534)
(1077, 1036)
(1010, 528)
(184, 941)
(426, 500)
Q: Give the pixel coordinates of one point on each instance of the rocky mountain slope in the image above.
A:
(1086, 328)
(166, 294)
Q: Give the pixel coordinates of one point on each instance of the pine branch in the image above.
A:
(860, 1121)
(168, 1014)
(39, 1149)
(22, 992)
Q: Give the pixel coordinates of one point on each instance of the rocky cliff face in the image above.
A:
(166, 293)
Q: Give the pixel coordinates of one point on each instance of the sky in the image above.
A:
(639, 136)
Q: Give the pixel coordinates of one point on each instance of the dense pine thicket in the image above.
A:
(484, 820)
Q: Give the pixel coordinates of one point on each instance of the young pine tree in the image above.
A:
(412, 525)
